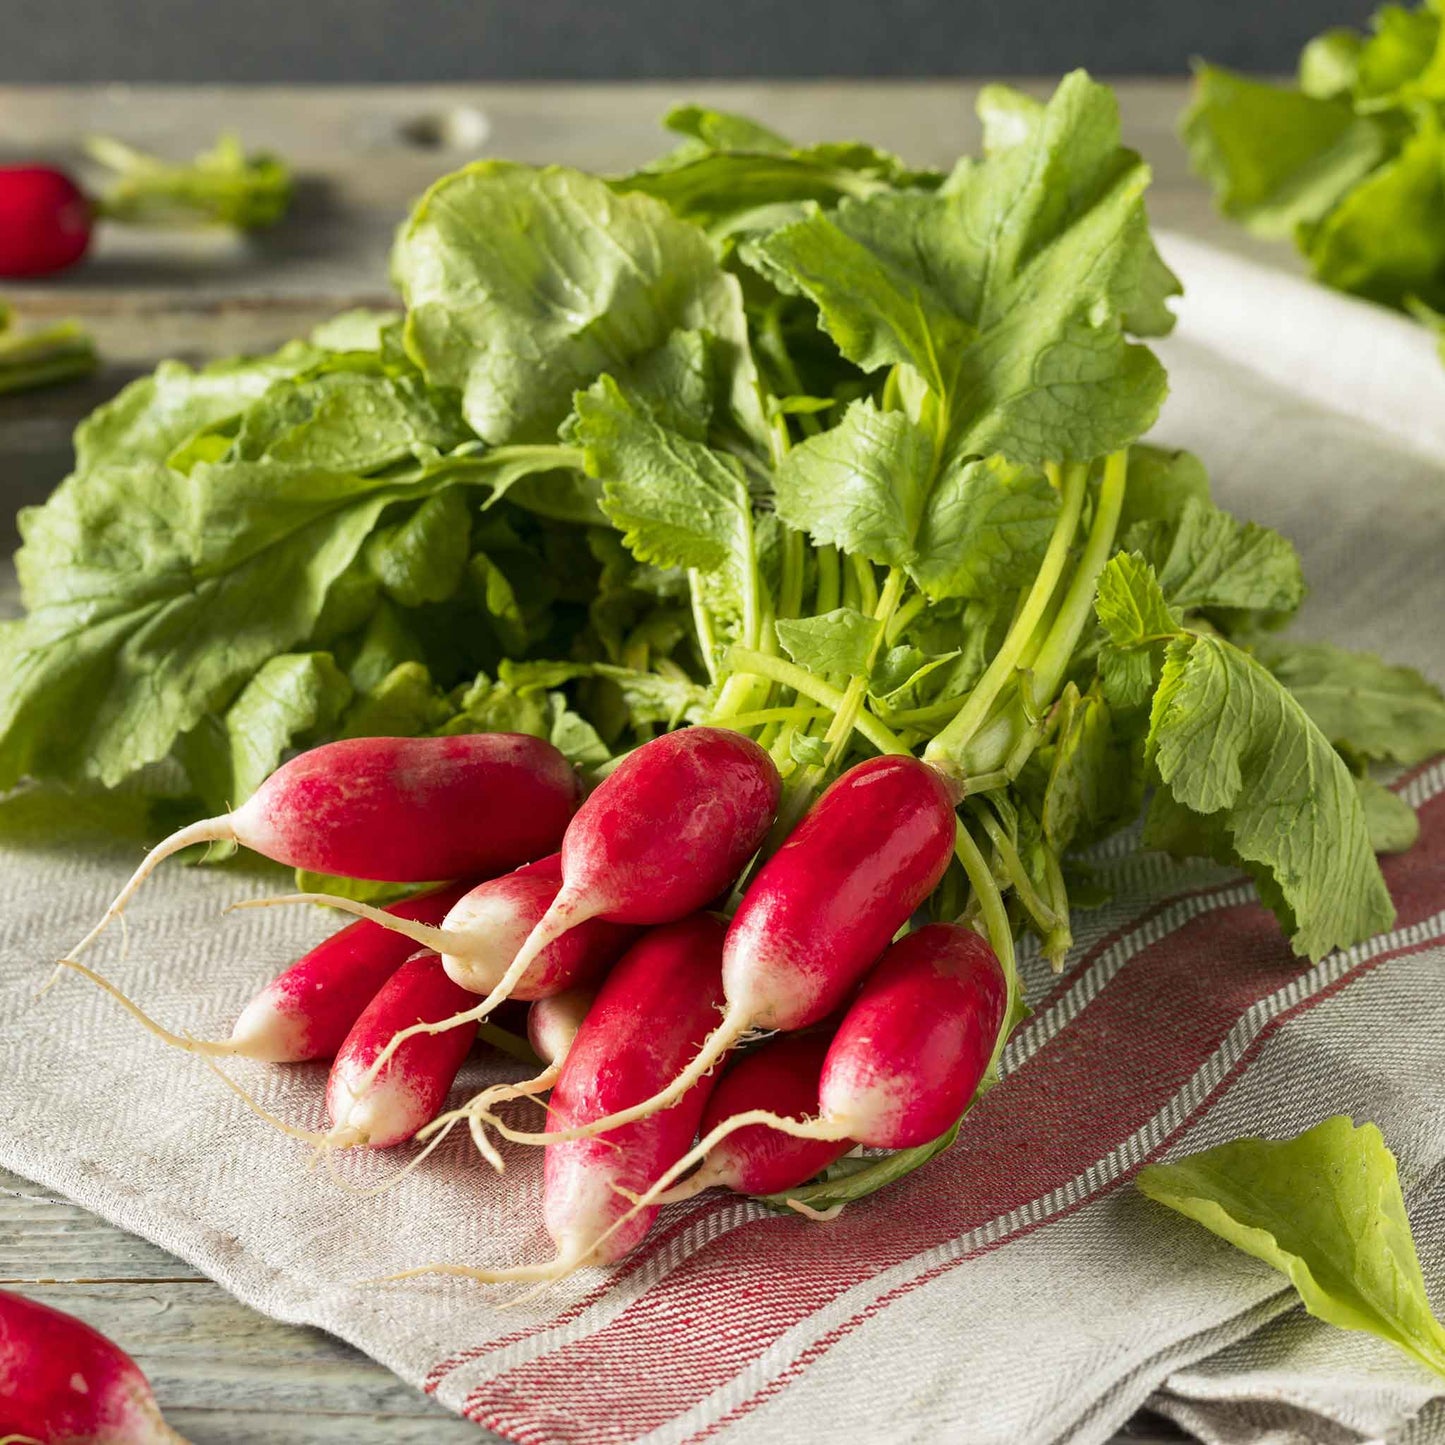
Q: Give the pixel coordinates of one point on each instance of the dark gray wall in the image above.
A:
(420, 40)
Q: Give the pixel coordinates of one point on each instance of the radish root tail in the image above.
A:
(478, 1109)
(220, 1048)
(208, 830)
(439, 940)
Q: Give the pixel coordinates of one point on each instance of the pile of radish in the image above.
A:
(681, 979)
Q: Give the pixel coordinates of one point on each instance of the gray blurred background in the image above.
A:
(459, 40)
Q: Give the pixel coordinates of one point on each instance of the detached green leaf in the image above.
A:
(869, 487)
(1275, 157)
(1229, 741)
(44, 356)
(838, 642)
(1372, 709)
(1006, 291)
(1326, 1210)
(523, 285)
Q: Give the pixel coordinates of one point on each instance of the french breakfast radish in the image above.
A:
(823, 907)
(649, 1017)
(665, 833)
(63, 1383)
(905, 1062)
(379, 1108)
(401, 810)
(45, 221)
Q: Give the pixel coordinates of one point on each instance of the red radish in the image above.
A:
(45, 221)
(665, 833)
(655, 1008)
(824, 906)
(380, 1108)
(63, 1383)
(782, 1075)
(552, 1024)
(905, 1062)
(402, 810)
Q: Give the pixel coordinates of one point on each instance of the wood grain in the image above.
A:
(226, 1375)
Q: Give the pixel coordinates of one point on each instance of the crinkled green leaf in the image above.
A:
(404, 704)
(1371, 708)
(1329, 65)
(1229, 740)
(360, 329)
(424, 557)
(869, 486)
(524, 285)
(1130, 604)
(498, 597)
(677, 502)
(1006, 290)
(152, 417)
(154, 595)
(1392, 63)
(1327, 1211)
(839, 641)
(1274, 156)
(348, 421)
(1209, 559)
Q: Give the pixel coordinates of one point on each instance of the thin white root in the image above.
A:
(477, 1109)
(321, 1142)
(727, 1033)
(392, 1180)
(819, 1216)
(543, 1274)
(439, 940)
(556, 921)
(208, 830)
(221, 1048)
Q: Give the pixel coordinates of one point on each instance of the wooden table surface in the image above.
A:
(226, 1375)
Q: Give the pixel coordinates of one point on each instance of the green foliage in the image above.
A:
(1350, 161)
(1326, 1210)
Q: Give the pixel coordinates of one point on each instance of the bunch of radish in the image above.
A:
(611, 922)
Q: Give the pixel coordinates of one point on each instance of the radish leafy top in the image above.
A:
(793, 439)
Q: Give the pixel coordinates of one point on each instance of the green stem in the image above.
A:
(974, 712)
(828, 579)
(1044, 917)
(999, 933)
(867, 584)
(1078, 605)
(706, 638)
(904, 616)
(747, 662)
